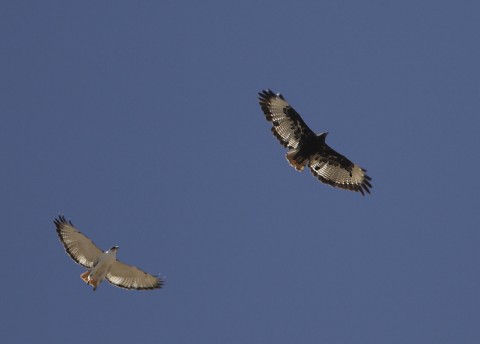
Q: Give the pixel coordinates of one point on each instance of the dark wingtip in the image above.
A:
(366, 183)
(60, 219)
(365, 186)
(160, 284)
(267, 94)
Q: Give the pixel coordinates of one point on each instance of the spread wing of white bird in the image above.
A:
(131, 277)
(78, 246)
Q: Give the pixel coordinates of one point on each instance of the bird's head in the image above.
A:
(323, 135)
(113, 249)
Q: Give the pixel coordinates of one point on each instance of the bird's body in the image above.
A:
(307, 148)
(99, 272)
(102, 265)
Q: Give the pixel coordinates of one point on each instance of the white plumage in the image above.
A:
(102, 265)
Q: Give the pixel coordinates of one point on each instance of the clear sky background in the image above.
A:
(139, 121)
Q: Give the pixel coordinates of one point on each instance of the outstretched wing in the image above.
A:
(288, 127)
(336, 170)
(131, 277)
(78, 246)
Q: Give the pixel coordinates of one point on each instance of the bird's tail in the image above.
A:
(86, 278)
(296, 161)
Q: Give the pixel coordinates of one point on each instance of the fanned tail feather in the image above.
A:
(296, 161)
(86, 278)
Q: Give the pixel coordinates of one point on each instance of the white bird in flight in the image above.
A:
(102, 265)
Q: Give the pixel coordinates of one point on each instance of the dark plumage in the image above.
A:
(306, 147)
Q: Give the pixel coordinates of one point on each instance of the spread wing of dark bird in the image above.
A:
(307, 148)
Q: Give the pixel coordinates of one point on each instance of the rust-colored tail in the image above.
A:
(86, 278)
(296, 161)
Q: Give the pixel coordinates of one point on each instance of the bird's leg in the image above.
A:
(94, 284)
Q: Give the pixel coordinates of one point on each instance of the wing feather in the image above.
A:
(131, 277)
(288, 127)
(79, 247)
(332, 169)
(325, 163)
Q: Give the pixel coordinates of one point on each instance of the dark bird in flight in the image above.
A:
(102, 265)
(306, 147)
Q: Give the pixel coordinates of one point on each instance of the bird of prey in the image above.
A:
(305, 147)
(102, 265)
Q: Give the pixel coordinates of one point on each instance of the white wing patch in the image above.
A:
(288, 126)
(332, 173)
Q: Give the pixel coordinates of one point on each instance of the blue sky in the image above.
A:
(139, 121)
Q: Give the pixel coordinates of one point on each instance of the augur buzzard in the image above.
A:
(102, 265)
(305, 147)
